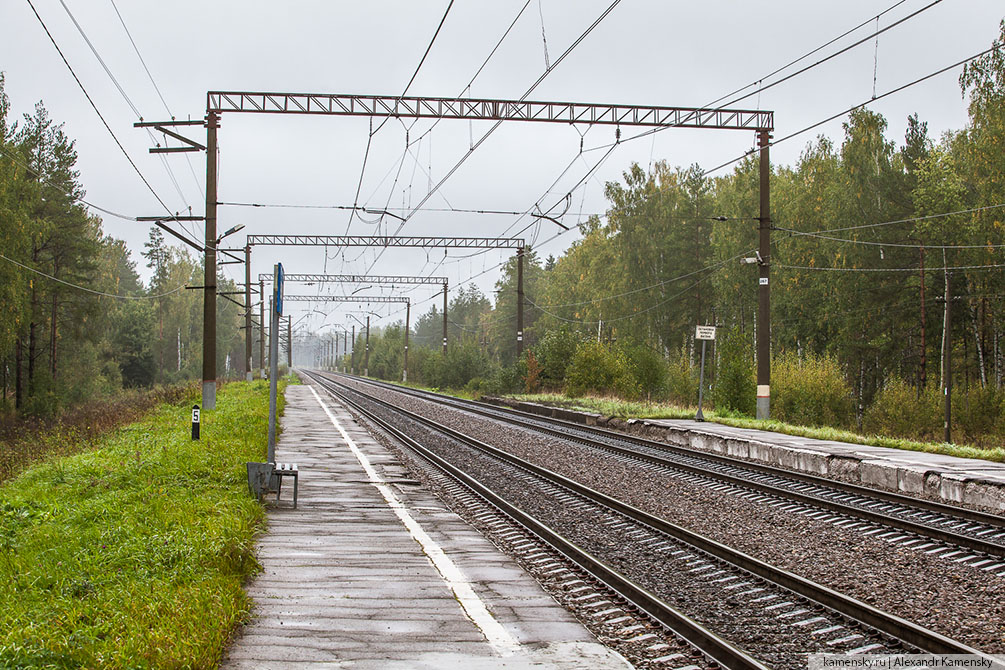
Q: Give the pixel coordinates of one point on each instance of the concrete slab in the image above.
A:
(346, 584)
(968, 481)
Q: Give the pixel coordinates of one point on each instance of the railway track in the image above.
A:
(738, 611)
(966, 536)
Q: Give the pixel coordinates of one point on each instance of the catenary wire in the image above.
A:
(91, 290)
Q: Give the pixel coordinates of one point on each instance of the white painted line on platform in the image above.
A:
(473, 607)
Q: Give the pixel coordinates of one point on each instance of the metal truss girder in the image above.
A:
(385, 241)
(345, 298)
(486, 109)
(357, 279)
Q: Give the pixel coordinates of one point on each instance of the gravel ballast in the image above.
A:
(958, 601)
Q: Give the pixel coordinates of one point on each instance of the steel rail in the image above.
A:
(865, 614)
(534, 421)
(703, 639)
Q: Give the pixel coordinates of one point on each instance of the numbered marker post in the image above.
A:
(195, 422)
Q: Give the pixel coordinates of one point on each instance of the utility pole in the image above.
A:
(444, 318)
(345, 348)
(519, 302)
(947, 379)
(261, 326)
(763, 289)
(209, 290)
(923, 376)
(289, 342)
(366, 361)
(408, 315)
(248, 335)
(352, 363)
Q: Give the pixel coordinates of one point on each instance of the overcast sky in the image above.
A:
(645, 52)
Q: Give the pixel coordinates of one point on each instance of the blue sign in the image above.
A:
(278, 297)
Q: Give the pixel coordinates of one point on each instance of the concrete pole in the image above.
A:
(519, 302)
(352, 363)
(947, 379)
(248, 334)
(763, 289)
(345, 349)
(209, 290)
(408, 315)
(444, 318)
(273, 375)
(366, 361)
(261, 326)
(289, 342)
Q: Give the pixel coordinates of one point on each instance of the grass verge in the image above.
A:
(134, 554)
(26, 441)
(624, 409)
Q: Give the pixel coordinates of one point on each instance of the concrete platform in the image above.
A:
(954, 480)
(373, 572)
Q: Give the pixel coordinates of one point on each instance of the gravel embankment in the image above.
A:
(958, 601)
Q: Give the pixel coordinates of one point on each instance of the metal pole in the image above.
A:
(273, 374)
(763, 289)
(248, 334)
(366, 361)
(408, 315)
(209, 292)
(345, 347)
(701, 384)
(519, 302)
(444, 318)
(289, 342)
(261, 326)
(947, 380)
(352, 363)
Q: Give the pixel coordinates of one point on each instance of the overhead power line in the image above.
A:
(91, 290)
(908, 220)
(914, 269)
(96, 110)
(853, 108)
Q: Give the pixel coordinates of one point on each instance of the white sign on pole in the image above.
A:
(704, 333)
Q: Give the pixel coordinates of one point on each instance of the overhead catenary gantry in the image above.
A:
(422, 242)
(327, 104)
(380, 280)
(365, 299)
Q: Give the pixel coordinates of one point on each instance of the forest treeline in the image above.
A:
(76, 321)
(871, 233)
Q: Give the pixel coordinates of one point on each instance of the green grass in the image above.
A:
(134, 554)
(624, 409)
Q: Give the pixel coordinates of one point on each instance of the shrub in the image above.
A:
(682, 379)
(648, 372)
(810, 392)
(532, 382)
(554, 353)
(899, 411)
(735, 388)
(462, 363)
(596, 368)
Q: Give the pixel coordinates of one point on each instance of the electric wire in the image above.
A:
(124, 95)
(891, 244)
(91, 290)
(851, 109)
(369, 139)
(97, 111)
(908, 220)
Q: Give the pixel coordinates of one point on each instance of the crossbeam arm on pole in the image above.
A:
(346, 298)
(330, 104)
(360, 279)
(386, 241)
